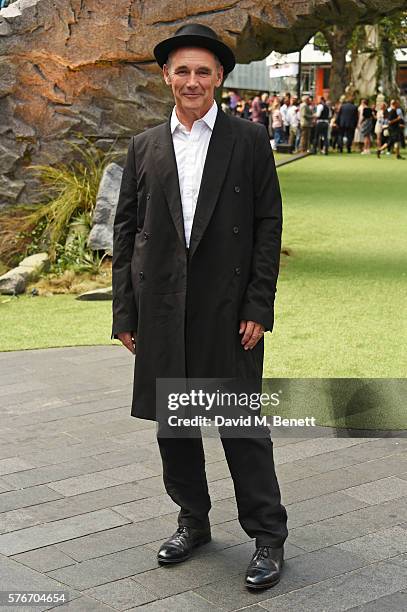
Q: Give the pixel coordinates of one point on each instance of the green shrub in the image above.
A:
(76, 256)
(71, 189)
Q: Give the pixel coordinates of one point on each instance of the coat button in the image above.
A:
(146, 236)
(141, 275)
(235, 229)
(148, 196)
(237, 188)
(237, 271)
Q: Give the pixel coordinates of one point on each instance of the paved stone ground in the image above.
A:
(83, 508)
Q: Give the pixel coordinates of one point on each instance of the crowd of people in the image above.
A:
(307, 126)
(5, 3)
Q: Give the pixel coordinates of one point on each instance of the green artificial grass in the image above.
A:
(341, 299)
(60, 320)
(340, 304)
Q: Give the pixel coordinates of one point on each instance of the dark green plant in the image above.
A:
(71, 189)
(37, 238)
(77, 257)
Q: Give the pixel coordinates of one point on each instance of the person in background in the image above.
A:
(374, 112)
(305, 123)
(335, 130)
(366, 126)
(225, 107)
(243, 109)
(264, 103)
(358, 138)
(321, 126)
(233, 101)
(256, 110)
(293, 119)
(381, 122)
(347, 121)
(277, 123)
(284, 106)
(395, 122)
(402, 125)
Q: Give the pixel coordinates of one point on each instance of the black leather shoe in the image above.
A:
(264, 569)
(180, 545)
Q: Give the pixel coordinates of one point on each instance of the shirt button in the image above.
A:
(148, 196)
(235, 229)
(141, 275)
(237, 188)
(237, 271)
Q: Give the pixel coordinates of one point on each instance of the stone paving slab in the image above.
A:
(67, 507)
(343, 592)
(383, 544)
(301, 570)
(396, 602)
(58, 531)
(44, 559)
(118, 538)
(27, 497)
(83, 506)
(107, 568)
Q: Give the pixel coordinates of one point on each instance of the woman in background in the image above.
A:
(277, 123)
(366, 126)
(381, 122)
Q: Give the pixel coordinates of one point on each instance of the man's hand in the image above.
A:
(128, 339)
(252, 332)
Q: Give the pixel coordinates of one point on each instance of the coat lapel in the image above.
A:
(167, 173)
(216, 163)
(214, 171)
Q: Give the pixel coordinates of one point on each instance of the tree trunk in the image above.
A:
(387, 68)
(364, 63)
(338, 39)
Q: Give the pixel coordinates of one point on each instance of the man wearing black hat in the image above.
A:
(197, 238)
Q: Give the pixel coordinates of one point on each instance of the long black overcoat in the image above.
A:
(186, 310)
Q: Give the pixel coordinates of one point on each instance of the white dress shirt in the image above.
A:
(190, 152)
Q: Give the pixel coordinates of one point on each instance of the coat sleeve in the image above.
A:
(124, 308)
(258, 301)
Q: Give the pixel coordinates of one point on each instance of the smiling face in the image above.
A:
(193, 73)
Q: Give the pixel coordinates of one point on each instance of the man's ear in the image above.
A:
(166, 74)
(221, 75)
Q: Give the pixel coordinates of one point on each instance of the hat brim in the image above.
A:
(222, 51)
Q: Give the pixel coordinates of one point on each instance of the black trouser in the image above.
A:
(251, 464)
(321, 133)
(348, 133)
(335, 137)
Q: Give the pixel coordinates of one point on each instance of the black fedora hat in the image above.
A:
(196, 35)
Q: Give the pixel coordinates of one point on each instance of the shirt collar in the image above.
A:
(209, 118)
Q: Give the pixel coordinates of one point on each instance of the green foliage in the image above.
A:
(320, 43)
(392, 34)
(71, 189)
(76, 256)
(394, 29)
(36, 236)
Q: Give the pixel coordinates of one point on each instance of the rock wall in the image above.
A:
(85, 67)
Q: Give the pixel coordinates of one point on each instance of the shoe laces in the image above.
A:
(181, 531)
(262, 553)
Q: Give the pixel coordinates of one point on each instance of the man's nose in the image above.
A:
(192, 79)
